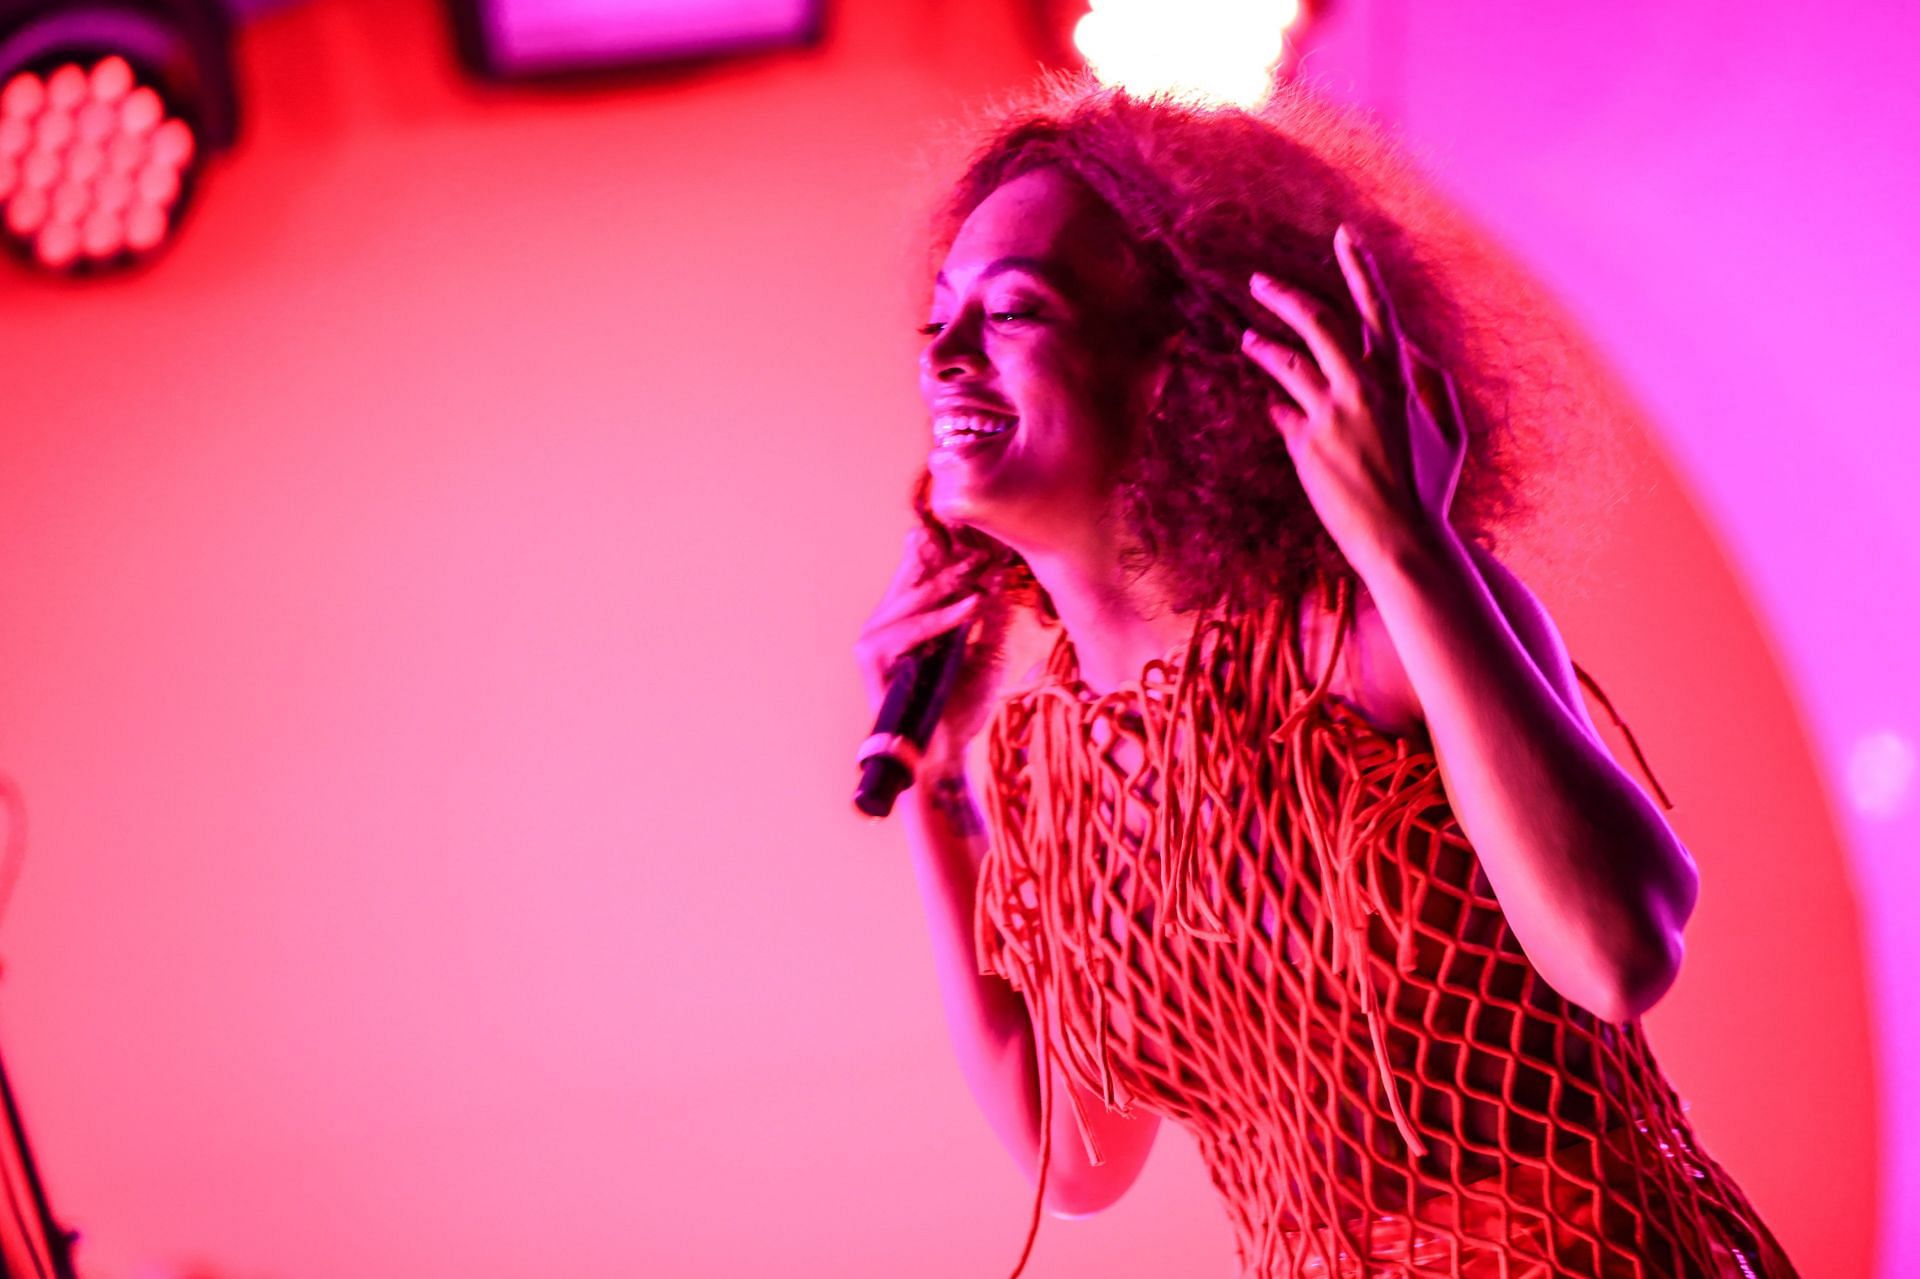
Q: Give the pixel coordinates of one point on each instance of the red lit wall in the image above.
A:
(428, 594)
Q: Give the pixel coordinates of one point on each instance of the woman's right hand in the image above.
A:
(920, 603)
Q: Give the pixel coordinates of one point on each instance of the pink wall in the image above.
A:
(1725, 196)
(429, 595)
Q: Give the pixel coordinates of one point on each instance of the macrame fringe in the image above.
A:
(1202, 716)
(1194, 711)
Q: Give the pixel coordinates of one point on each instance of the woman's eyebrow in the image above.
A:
(1046, 272)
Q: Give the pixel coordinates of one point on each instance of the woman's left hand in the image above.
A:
(1378, 441)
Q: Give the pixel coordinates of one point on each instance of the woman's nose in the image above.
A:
(952, 354)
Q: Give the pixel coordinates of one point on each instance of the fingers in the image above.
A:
(882, 643)
(921, 561)
(1437, 391)
(1330, 366)
(928, 597)
(1369, 290)
(922, 582)
(1294, 372)
(1389, 366)
(924, 626)
(916, 557)
(905, 599)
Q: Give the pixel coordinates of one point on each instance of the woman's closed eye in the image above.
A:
(933, 328)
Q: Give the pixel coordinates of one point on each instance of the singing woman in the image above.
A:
(1300, 836)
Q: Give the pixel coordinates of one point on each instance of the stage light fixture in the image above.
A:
(1207, 51)
(1216, 50)
(107, 114)
(551, 39)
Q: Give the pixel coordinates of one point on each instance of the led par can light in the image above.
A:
(107, 113)
(553, 39)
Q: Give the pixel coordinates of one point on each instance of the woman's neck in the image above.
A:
(1118, 619)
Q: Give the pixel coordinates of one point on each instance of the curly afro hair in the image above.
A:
(1205, 197)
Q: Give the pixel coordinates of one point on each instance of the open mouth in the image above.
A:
(957, 430)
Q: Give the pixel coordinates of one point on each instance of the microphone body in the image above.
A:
(917, 689)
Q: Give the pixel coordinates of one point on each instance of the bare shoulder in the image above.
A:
(1372, 679)
(1369, 676)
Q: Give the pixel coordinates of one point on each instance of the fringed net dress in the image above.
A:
(1229, 899)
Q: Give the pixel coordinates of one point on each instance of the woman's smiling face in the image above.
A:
(1031, 372)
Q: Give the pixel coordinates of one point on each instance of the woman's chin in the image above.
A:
(951, 503)
(956, 504)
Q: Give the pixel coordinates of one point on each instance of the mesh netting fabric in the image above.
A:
(1228, 898)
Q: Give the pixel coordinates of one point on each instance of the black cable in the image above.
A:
(34, 1245)
(50, 1247)
(58, 1242)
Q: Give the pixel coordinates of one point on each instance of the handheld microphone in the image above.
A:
(917, 689)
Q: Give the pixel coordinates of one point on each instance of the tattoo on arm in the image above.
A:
(951, 799)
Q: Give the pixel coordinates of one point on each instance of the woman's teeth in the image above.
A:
(951, 427)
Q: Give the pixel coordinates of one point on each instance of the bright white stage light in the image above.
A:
(1209, 50)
